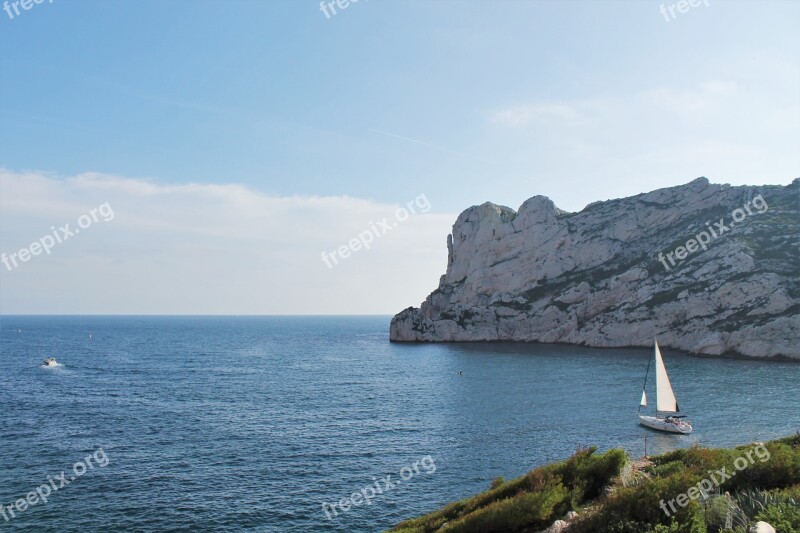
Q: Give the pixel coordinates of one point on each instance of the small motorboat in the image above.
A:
(50, 361)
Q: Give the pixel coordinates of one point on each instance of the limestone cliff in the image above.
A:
(596, 278)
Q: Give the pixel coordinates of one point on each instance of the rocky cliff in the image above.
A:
(709, 269)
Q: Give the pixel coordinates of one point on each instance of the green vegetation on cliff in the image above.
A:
(722, 490)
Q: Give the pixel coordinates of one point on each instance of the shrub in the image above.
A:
(642, 506)
(792, 493)
(667, 469)
(527, 509)
(792, 441)
(722, 510)
(585, 474)
(781, 470)
(767, 490)
(784, 517)
(669, 457)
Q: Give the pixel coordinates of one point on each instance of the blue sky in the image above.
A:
(464, 101)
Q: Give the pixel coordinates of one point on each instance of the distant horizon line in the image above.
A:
(2, 315)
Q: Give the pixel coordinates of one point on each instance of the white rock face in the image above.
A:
(762, 527)
(595, 277)
(559, 526)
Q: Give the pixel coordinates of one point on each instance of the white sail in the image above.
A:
(665, 398)
(644, 399)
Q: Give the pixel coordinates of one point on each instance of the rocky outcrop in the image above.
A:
(709, 269)
(762, 527)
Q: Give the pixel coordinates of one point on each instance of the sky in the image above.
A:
(237, 141)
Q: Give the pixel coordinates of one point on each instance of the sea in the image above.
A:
(298, 424)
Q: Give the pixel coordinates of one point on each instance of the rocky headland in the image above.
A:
(707, 268)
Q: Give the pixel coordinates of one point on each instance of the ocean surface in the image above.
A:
(252, 423)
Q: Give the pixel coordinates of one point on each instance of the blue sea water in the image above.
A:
(252, 423)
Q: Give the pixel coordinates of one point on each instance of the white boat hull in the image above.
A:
(662, 425)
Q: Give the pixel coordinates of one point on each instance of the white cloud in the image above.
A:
(208, 248)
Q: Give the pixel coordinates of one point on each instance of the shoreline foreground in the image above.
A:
(693, 490)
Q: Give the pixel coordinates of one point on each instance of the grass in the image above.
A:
(613, 494)
(530, 501)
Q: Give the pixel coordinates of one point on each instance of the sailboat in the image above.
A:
(665, 401)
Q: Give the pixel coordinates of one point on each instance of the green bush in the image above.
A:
(784, 517)
(585, 474)
(721, 509)
(766, 489)
(540, 496)
(667, 469)
(640, 507)
(781, 470)
(669, 457)
(791, 493)
(792, 441)
(524, 510)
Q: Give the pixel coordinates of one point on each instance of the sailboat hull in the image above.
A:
(662, 425)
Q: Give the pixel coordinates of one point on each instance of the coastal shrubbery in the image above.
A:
(614, 495)
(534, 500)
